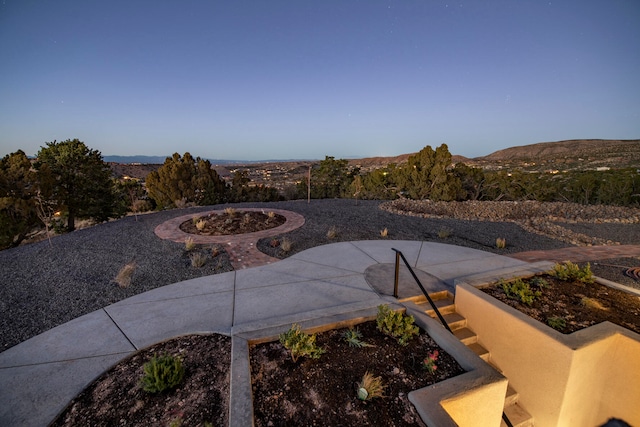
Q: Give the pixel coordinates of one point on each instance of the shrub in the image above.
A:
(285, 245)
(200, 224)
(370, 387)
(557, 323)
(396, 324)
(271, 214)
(300, 343)
(230, 211)
(592, 303)
(123, 279)
(162, 373)
(444, 232)
(384, 233)
(569, 272)
(332, 233)
(520, 290)
(501, 243)
(198, 259)
(429, 362)
(189, 244)
(354, 338)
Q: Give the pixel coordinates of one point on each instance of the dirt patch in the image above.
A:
(571, 306)
(116, 397)
(315, 392)
(232, 222)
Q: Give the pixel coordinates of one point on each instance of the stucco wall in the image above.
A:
(563, 380)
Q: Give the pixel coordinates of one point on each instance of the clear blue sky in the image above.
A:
(270, 79)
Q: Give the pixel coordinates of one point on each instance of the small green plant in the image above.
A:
(520, 290)
(396, 324)
(556, 322)
(198, 259)
(429, 362)
(123, 279)
(162, 373)
(189, 244)
(569, 272)
(354, 338)
(384, 233)
(176, 422)
(370, 387)
(332, 233)
(300, 343)
(539, 282)
(501, 243)
(444, 232)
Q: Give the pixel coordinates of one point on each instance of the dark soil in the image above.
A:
(232, 222)
(323, 392)
(568, 301)
(116, 398)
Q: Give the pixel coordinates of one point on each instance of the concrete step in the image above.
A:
(511, 397)
(455, 321)
(445, 306)
(479, 350)
(466, 335)
(518, 416)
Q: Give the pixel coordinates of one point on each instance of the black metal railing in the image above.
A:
(399, 255)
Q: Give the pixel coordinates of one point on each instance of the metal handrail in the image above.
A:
(399, 255)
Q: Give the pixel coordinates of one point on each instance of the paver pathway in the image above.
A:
(241, 247)
(580, 253)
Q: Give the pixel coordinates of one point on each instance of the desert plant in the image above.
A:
(271, 214)
(230, 211)
(332, 233)
(300, 343)
(444, 232)
(592, 303)
(556, 322)
(370, 387)
(429, 362)
(520, 290)
(396, 324)
(353, 337)
(246, 219)
(501, 243)
(189, 244)
(539, 282)
(162, 373)
(200, 224)
(123, 279)
(384, 233)
(569, 271)
(198, 259)
(274, 243)
(285, 245)
(215, 251)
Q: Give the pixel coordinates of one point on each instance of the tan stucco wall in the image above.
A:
(563, 380)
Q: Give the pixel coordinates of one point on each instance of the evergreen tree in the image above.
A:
(81, 180)
(17, 204)
(185, 180)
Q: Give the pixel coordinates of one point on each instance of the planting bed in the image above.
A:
(324, 391)
(576, 304)
(116, 397)
(232, 222)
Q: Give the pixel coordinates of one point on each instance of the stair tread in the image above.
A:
(518, 416)
(479, 350)
(466, 335)
(511, 396)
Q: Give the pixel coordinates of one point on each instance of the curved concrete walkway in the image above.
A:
(41, 375)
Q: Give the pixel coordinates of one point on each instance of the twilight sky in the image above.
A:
(301, 79)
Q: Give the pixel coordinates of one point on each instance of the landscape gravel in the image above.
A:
(42, 286)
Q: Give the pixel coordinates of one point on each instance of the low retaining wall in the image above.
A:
(583, 378)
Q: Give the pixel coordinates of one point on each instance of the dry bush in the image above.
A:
(189, 244)
(285, 245)
(125, 275)
(198, 259)
(332, 233)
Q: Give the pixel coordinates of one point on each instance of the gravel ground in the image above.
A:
(42, 287)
